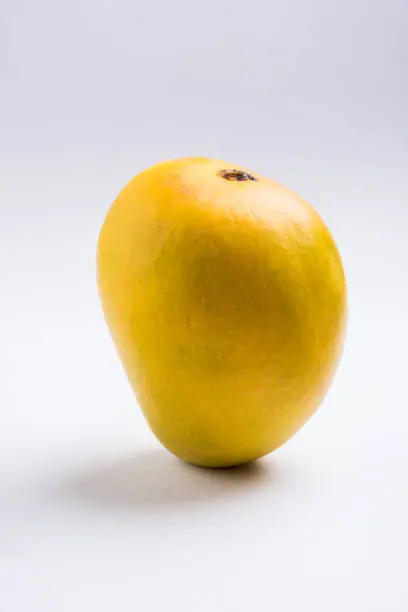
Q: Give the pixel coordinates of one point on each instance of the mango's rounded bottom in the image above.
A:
(219, 461)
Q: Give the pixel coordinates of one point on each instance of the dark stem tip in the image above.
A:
(236, 175)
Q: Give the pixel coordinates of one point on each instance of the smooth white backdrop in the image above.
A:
(94, 515)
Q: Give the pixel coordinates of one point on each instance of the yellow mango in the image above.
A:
(225, 296)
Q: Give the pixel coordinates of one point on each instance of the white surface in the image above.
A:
(94, 515)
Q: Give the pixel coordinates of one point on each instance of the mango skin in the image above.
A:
(226, 300)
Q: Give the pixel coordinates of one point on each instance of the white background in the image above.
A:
(94, 515)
